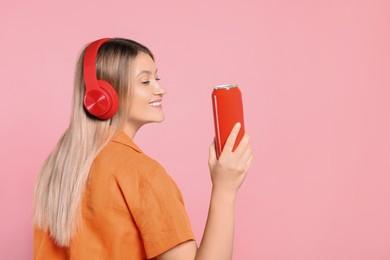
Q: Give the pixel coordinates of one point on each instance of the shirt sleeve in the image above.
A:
(157, 208)
(46, 248)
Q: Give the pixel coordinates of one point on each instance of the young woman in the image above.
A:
(98, 196)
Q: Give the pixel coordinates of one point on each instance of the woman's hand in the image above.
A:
(229, 171)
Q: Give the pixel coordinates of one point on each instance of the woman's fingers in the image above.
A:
(232, 138)
(248, 163)
(246, 155)
(242, 146)
(212, 153)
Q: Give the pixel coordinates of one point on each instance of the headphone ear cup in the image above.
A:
(102, 102)
(113, 96)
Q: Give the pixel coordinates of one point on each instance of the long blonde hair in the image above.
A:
(63, 176)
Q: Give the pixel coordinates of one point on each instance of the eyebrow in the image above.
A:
(147, 72)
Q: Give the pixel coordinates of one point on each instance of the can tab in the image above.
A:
(226, 86)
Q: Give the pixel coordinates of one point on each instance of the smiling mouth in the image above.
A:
(155, 103)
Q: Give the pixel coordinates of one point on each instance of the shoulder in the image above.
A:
(121, 164)
(122, 152)
(124, 159)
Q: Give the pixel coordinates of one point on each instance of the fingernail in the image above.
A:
(237, 125)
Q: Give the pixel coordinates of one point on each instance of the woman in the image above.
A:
(99, 197)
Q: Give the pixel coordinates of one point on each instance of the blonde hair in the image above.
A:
(63, 176)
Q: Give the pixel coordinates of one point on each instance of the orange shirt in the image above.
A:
(131, 209)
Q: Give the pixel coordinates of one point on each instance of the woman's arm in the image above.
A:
(227, 175)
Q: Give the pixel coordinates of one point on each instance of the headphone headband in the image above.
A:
(90, 63)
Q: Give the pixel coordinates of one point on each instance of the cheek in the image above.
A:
(141, 97)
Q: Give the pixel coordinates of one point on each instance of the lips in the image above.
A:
(156, 103)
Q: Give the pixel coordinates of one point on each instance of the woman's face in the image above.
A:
(146, 103)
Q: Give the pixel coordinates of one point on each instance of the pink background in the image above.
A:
(316, 86)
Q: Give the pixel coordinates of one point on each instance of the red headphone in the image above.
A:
(100, 99)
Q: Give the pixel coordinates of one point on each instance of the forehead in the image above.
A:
(143, 62)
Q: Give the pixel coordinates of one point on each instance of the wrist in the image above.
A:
(223, 195)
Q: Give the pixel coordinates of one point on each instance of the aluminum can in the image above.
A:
(227, 110)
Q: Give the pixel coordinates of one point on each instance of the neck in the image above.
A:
(130, 130)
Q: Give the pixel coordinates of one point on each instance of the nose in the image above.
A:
(159, 90)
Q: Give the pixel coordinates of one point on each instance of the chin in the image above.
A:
(157, 119)
(160, 120)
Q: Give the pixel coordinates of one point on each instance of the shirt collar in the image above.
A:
(123, 138)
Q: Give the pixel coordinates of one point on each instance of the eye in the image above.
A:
(147, 82)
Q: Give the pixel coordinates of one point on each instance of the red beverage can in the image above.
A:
(227, 110)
